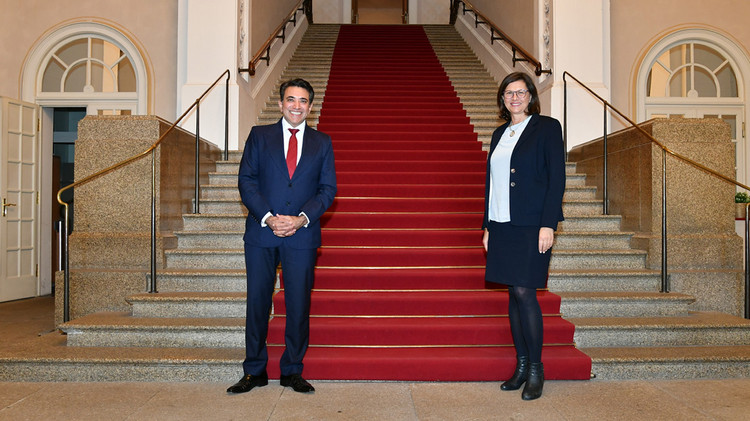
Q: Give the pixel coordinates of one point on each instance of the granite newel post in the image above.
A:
(704, 251)
(110, 243)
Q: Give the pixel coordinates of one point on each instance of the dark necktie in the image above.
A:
(291, 153)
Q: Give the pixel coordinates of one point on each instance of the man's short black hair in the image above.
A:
(299, 83)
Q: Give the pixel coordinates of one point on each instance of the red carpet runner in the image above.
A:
(399, 292)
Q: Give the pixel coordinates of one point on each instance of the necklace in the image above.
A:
(513, 129)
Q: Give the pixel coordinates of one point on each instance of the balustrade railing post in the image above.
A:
(605, 192)
(565, 115)
(747, 261)
(152, 283)
(664, 275)
(196, 200)
(226, 120)
(66, 277)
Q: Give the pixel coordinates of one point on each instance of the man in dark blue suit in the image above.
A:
(287, 180)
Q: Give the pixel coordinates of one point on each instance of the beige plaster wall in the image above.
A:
(432, 12)
(636, 25)
(265, 16)
(514, 17)
(152, 24)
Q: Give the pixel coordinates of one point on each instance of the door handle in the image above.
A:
(6, 205)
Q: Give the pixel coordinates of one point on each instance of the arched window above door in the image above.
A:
(692, 70)
(89, 64)
(698, 73)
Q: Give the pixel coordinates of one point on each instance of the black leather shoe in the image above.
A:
(520, 375)
(248, 382)
(297, 383)
(534, 383)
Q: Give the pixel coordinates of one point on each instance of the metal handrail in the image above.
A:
(91, 177)
(479, 18)
(665, 151)
(264, 52)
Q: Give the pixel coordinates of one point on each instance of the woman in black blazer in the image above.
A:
(523, 204)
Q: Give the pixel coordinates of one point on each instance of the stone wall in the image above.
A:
(110, 243)
(704, 254)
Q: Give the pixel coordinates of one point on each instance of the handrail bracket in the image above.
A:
(493, 38)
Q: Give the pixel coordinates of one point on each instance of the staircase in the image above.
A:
(471, 80)
(193, 329)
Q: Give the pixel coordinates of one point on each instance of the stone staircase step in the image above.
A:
(669, 362)
(121, 330)
(61, 363)
(209, 239)
(561, 259)
(226, 178)
(580, 223)
(612, 280)
(201, 280)
(582, 207)
(231, 166)
(52, 360)
(229, 191)
(199, 222)
(596, 240)
(564, 240)
(580, 192)
(575, 179)
(231, 222)
(624, 304)
(220, 191)
(696, 329)
(597, 259)
(205, 258)
(189, 304)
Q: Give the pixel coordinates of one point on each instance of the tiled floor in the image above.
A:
(563, 400)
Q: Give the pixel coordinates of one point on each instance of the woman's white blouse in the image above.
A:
(499, 206)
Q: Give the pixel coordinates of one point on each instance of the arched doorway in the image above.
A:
(694, 73)
(77, 69)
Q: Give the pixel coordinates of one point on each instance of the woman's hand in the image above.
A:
(546, 237)
(485, 238)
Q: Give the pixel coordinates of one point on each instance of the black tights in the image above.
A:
(526, 322)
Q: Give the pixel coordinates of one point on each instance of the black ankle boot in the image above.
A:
(534, 383)
(519, 377)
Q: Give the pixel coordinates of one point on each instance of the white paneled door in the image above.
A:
(19, 186)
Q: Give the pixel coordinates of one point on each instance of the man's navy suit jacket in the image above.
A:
(265, 186)
(537, 173)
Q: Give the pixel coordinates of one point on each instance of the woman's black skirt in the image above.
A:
(513, 256)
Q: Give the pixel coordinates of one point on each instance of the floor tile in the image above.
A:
(347, 401)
